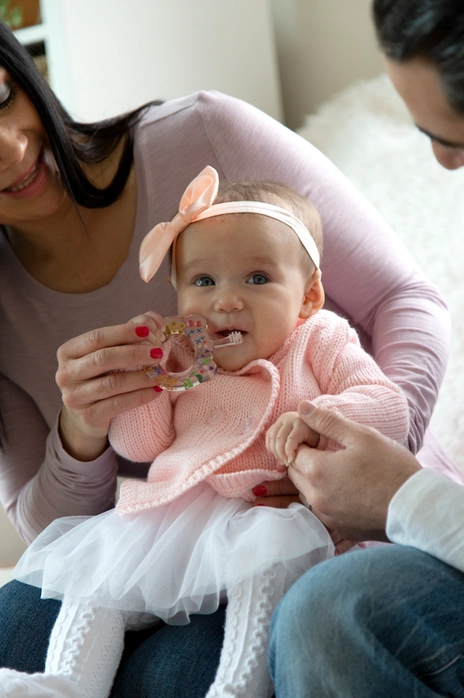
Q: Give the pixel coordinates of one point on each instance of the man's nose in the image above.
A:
(450, 158)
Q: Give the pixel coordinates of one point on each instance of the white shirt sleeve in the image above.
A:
(427, 513)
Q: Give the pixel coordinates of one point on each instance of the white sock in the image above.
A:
(86, 645)
(17, 684)
(243, 664)
(85, 648)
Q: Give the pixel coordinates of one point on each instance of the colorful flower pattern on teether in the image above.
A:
(203, 368)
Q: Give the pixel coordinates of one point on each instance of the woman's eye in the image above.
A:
(258, 279)
(7, 94)
(204, 281)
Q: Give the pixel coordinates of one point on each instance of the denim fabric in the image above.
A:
(26, 622)
(380, 623)
(173, 662)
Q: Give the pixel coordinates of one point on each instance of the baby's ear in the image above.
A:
(314, 296)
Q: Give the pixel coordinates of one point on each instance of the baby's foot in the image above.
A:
(16, 684)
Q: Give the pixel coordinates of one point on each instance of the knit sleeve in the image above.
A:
(351, 382)
(143, 433)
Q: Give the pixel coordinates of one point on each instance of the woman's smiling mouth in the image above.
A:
(30, 182)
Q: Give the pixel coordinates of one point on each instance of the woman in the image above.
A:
(75, 202)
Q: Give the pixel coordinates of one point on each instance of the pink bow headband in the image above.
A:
(196, 204)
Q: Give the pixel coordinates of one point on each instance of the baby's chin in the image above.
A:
(231, 358)
(232, 364)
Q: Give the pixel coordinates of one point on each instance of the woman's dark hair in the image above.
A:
(431, 29)
(72, 142)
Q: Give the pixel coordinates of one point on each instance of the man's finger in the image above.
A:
(329, 424)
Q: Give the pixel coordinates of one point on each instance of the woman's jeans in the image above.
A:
(173, 662)
(381, 623)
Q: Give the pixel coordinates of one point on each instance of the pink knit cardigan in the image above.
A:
(216, 431)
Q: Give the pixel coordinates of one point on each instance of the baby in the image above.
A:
(248, 261)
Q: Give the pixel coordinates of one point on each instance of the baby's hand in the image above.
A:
(286, 435)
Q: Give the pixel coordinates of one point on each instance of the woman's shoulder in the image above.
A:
(206, 103)
(238, 139)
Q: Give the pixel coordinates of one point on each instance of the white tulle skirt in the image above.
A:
(173, 560)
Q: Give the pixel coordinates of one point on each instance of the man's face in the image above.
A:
(418, 83)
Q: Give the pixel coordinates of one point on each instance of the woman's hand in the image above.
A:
(96, 387)
(276, 493)
(350, 489)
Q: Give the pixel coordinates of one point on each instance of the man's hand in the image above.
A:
(350, 489)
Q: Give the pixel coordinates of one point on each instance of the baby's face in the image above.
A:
(242, 273)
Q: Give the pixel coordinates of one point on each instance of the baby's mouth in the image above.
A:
(226, 333)
(226, 338)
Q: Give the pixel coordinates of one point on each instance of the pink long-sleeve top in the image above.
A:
(216, 432)
(368, 276)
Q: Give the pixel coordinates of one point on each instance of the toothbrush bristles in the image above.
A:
(233, 338)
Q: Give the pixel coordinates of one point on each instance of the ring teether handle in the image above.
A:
(203, 368)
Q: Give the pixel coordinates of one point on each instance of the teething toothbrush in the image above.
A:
(203, 368)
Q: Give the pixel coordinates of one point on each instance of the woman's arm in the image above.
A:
(367, 272)
(70, 470)
(39, 481)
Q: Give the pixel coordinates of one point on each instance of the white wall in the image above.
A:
(323, 45)
(11, 545)
(111, 55)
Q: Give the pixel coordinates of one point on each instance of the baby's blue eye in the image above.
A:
(258, 279)
(204, 281)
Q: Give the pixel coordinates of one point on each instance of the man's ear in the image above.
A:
(314, 296)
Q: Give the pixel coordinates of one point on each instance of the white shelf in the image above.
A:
(32, 35)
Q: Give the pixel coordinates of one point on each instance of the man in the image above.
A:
(386, 622)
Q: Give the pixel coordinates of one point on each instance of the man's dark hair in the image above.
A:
(430, 29)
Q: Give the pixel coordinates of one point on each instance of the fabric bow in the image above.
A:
(199, 195)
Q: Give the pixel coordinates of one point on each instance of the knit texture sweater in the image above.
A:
(216, 431)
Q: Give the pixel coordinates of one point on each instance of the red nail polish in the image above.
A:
(259, 505)
(156, 353)
(259, 491)
(142, 331)
(157, 389)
